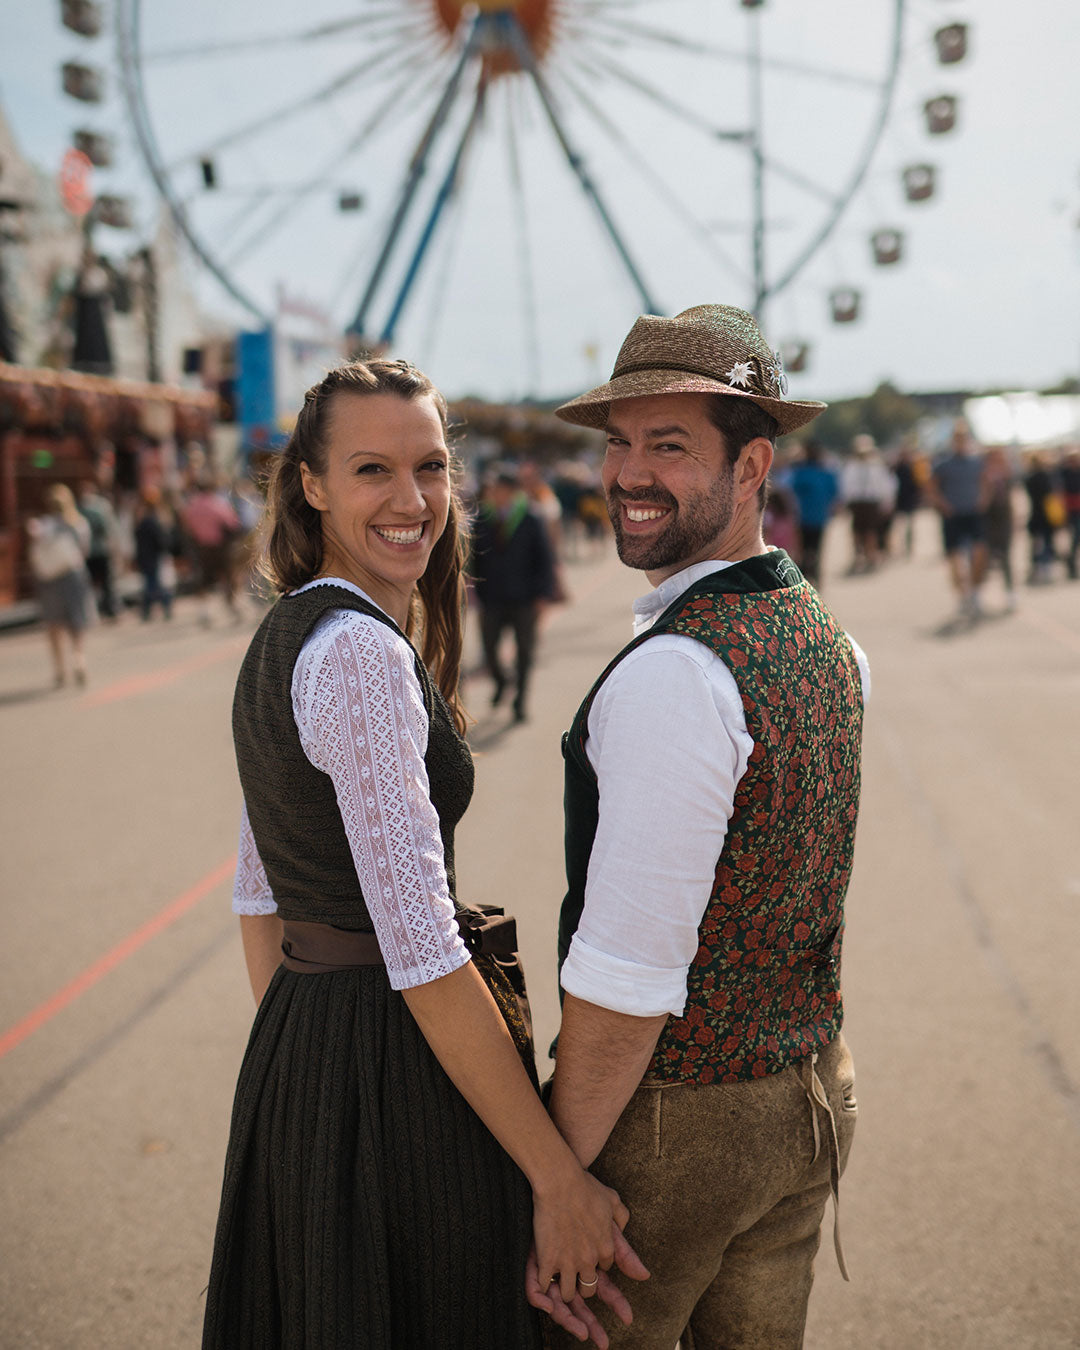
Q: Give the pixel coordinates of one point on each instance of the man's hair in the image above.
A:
(739, 421)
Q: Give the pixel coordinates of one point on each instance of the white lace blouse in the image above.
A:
(360, 713)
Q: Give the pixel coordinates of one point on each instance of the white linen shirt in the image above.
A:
(669, 744)
(359, 709)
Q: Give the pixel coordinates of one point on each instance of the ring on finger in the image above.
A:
(588, 1284)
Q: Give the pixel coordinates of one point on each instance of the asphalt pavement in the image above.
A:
(124, 1007)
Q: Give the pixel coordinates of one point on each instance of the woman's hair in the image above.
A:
(61, 502)
(291, 553)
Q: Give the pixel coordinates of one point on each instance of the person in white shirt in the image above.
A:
(712, 781)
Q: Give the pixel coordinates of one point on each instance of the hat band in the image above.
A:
(641, 368)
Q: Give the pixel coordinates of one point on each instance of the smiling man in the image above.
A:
(712, 785)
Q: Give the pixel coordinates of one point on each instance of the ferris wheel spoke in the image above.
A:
(447, 188)
(322, 178)
(663, 189)
(686, 114)
(417, 167)
(388, 22)
(800, 180)
(525, 260)
(257, 126)
(664, 37)
(523, 51)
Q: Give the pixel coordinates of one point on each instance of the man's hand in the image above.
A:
(577, 1317)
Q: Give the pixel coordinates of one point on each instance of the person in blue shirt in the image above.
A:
(816, 489)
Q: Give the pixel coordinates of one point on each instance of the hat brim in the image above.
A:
(591, 409)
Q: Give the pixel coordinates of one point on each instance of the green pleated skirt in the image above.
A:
(364, 1202)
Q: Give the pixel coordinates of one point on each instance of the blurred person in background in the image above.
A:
(908, 492)
(513, 570)
(816, 490)
(955, 489)
(98, 513)
(211, 526)
(1070, 486)
(780, 520)
(868, 488)
(998, 480)
(1046, 514)
(59, 541)
(157, 543)
(545, 504)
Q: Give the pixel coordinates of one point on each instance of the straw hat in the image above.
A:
(710, 349)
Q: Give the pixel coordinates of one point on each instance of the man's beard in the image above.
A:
(692, 526)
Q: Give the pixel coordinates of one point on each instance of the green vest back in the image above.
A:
(764, 988)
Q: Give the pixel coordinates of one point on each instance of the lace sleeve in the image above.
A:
(360, 713)
(251, 890)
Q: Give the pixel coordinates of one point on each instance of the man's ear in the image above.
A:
(752, 469)
(313, 488)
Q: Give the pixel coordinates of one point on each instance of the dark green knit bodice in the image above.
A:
(292, 806)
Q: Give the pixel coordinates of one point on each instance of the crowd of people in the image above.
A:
(92, 551)
(982, 494)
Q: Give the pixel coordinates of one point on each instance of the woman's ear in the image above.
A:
(313, 488)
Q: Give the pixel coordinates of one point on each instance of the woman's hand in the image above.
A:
(576, 1316)
(577, 1226)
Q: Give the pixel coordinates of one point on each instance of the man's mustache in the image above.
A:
(654, 496)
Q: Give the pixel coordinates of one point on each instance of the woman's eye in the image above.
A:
(436, 465)
(369, 468)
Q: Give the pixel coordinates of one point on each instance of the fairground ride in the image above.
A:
(399, 159)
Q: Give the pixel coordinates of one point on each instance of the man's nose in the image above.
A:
(635, 470)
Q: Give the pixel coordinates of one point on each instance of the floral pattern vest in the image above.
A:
(764, 988)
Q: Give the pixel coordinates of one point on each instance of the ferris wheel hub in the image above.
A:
(537, 19)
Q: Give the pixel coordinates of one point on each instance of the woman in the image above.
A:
(59, 542)
(156, 545)
(384, 1144)
(996, 494)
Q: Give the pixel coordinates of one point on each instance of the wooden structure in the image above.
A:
(62, 427)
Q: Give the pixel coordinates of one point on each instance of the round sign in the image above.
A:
(75, 191)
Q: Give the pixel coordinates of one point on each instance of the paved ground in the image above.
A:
(125, 1006)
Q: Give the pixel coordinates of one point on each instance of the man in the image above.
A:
(712, 782)
(513, 566)
(868, 487)
(212, 526)
(956, 489)
(816, 489)
(98, 513)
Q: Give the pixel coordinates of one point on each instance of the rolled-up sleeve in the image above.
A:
(668, 741)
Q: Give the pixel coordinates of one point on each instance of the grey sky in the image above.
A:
(989, 292)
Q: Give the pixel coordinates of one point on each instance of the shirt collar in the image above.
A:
(648, 608)
(345, 585)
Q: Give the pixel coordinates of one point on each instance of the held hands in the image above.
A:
(577, 1238)
(576, 1316)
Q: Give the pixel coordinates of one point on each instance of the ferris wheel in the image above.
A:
(539, 163)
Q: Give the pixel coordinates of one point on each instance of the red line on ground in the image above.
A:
(155, 679)
(46, 1011)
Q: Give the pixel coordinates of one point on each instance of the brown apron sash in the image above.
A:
(322, 949)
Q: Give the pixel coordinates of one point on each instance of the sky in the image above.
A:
(522, 291)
